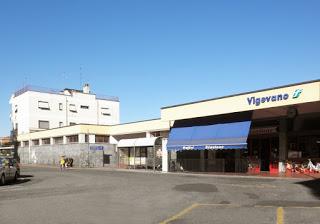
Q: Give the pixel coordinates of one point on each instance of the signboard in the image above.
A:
(269, 98)
(263, 130)
(257, 101)
(96, 148)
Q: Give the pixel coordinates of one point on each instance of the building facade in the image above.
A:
(35, 109)
(258, 131)
(250, 132)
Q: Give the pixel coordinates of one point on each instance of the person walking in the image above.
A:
(62, 163)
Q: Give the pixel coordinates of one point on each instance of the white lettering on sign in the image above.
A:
(214, 147)
(187, 147)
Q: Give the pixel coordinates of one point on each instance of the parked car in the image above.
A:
(16, 164)
(7, 171)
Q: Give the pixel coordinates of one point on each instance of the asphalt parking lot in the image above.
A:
(46, 195)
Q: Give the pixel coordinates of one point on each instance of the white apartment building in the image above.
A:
(35, 109)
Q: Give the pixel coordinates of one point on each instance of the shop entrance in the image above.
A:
(264, 152)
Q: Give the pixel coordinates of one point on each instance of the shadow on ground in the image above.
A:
(313, 185)
(21, 180)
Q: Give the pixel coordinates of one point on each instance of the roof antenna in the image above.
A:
(25, 81)
(80, 77)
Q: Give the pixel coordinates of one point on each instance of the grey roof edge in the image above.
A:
(239, 94)
(133, 122)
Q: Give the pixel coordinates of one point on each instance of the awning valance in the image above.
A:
(137, 142)
(217, 136)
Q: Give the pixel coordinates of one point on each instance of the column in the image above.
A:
(202, 160)
(283, 144)
(165, 159)
(82, 138)
(65, 140)
(92, 139)
(237, 161)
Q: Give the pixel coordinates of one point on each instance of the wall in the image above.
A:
(139, 127)
(29, 114)
(83, 155)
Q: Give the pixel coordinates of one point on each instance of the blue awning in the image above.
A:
(218, 136)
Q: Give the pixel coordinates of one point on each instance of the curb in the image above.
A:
(207, 175)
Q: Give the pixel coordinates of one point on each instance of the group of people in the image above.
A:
(65, 162)
(303, 168)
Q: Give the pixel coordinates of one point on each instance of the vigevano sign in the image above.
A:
(257, 101)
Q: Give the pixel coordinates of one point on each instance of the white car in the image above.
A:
(7, 171)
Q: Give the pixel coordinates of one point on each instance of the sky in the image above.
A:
(152, 53)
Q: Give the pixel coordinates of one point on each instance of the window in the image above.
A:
(60, 124)
(106, 159)
(73, 108)
(143, 152)
(46, 141)
(60, 106)
(102, 138)
(105, 111)
(84, 107)
(73, 139)
(35, 142)
(25, 143)
(58, 140)
(44, 124)
(43, 105)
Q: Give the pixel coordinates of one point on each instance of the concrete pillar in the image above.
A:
(202, 160)
(283, 144)
(237, 161)
(65, 140)
(92, 139)
(165, 160)
(29, 151)
(40, 141)
(148, 135)
(82, 138)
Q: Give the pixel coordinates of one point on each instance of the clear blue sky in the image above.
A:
(156, 53)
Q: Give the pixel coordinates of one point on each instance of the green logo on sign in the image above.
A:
(297, 93)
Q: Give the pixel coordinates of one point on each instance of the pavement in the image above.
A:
(46, 195)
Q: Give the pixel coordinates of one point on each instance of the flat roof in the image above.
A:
(239, 94)
(39, 89)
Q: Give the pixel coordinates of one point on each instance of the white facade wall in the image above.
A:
(26, 112)
(20, 112)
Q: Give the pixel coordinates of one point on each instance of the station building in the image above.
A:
(249, 132)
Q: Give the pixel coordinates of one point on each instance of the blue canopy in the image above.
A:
(218, 136)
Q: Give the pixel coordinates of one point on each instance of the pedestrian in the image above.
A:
(62, 163)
